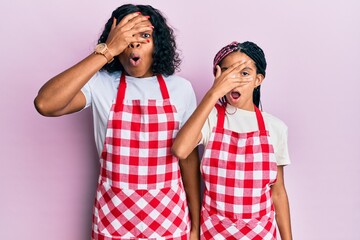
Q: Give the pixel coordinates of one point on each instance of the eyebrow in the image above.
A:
(248, 68)
(245, 68)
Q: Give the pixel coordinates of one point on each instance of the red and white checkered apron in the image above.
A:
(238, 170)
(140, 193)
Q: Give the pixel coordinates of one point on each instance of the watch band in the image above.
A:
(108, 56)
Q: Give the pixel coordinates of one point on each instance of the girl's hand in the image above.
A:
(127, 31)
(194, 235)
(230, 79)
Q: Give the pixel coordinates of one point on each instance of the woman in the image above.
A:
(138, 107)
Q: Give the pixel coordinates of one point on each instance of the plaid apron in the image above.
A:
(238, 170)
(140, 193)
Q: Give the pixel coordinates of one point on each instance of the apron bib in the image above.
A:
(238, 170)
(140, 194)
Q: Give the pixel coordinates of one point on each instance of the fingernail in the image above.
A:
(138, 13)
(147, 17)
(152, 27)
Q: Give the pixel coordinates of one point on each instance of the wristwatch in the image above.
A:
(102, 49)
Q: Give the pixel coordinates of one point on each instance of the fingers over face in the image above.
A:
(138, 39)
(129, 24)
(141, 34)
(238, 66)
(113, 24)
(141, 28)
(127, 18)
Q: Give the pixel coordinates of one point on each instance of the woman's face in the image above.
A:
(137, 58)
(242, 97)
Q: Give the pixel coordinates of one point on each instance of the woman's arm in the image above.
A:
(61, 94)
(190, 134)
(281, 204)
(190, 172)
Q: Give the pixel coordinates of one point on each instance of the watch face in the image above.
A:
(100, 47)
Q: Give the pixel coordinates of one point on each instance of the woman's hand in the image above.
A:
(127, 32)
(230, 79)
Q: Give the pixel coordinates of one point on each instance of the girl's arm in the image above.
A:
(61, 94)
(190, 134)
(281, 204)
(190, 172)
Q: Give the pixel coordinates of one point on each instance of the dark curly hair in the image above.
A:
(165, 56)
(254, 52)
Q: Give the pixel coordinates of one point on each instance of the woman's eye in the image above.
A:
(145, 35)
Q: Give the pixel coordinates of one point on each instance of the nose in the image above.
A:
(134, 45)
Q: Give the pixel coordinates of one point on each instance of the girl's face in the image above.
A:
(137, 58)
(242, 97)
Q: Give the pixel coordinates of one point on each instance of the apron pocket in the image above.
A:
(117, 211)
(213, 224)
(267, 222)
(142, 213)
(166, 212)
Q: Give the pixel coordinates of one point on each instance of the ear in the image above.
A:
(259, 79)
(218, 71)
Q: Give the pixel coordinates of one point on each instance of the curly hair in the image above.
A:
(165, 56)
(254, 52)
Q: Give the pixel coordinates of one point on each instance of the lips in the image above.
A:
(235, 95)
(135, 59)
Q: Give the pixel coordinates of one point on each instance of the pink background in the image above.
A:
(49, 166)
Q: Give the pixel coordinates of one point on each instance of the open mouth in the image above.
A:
(235, 95)
(135, 59)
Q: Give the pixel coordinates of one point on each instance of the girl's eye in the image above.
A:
(145, 35)
(244, 74)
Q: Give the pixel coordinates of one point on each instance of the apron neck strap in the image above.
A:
(221, 117)
(120, 94)
(260, 119)
(163, 88)
(122, 88)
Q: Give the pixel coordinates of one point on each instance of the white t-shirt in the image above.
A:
(102, 88)
(245, 121)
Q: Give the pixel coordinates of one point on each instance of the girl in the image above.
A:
(138, 107)
(245, 151)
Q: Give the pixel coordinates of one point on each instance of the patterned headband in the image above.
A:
(232, 47)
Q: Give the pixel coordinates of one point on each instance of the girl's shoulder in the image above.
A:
(274, 122)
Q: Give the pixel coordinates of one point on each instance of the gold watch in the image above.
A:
(102, 49)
